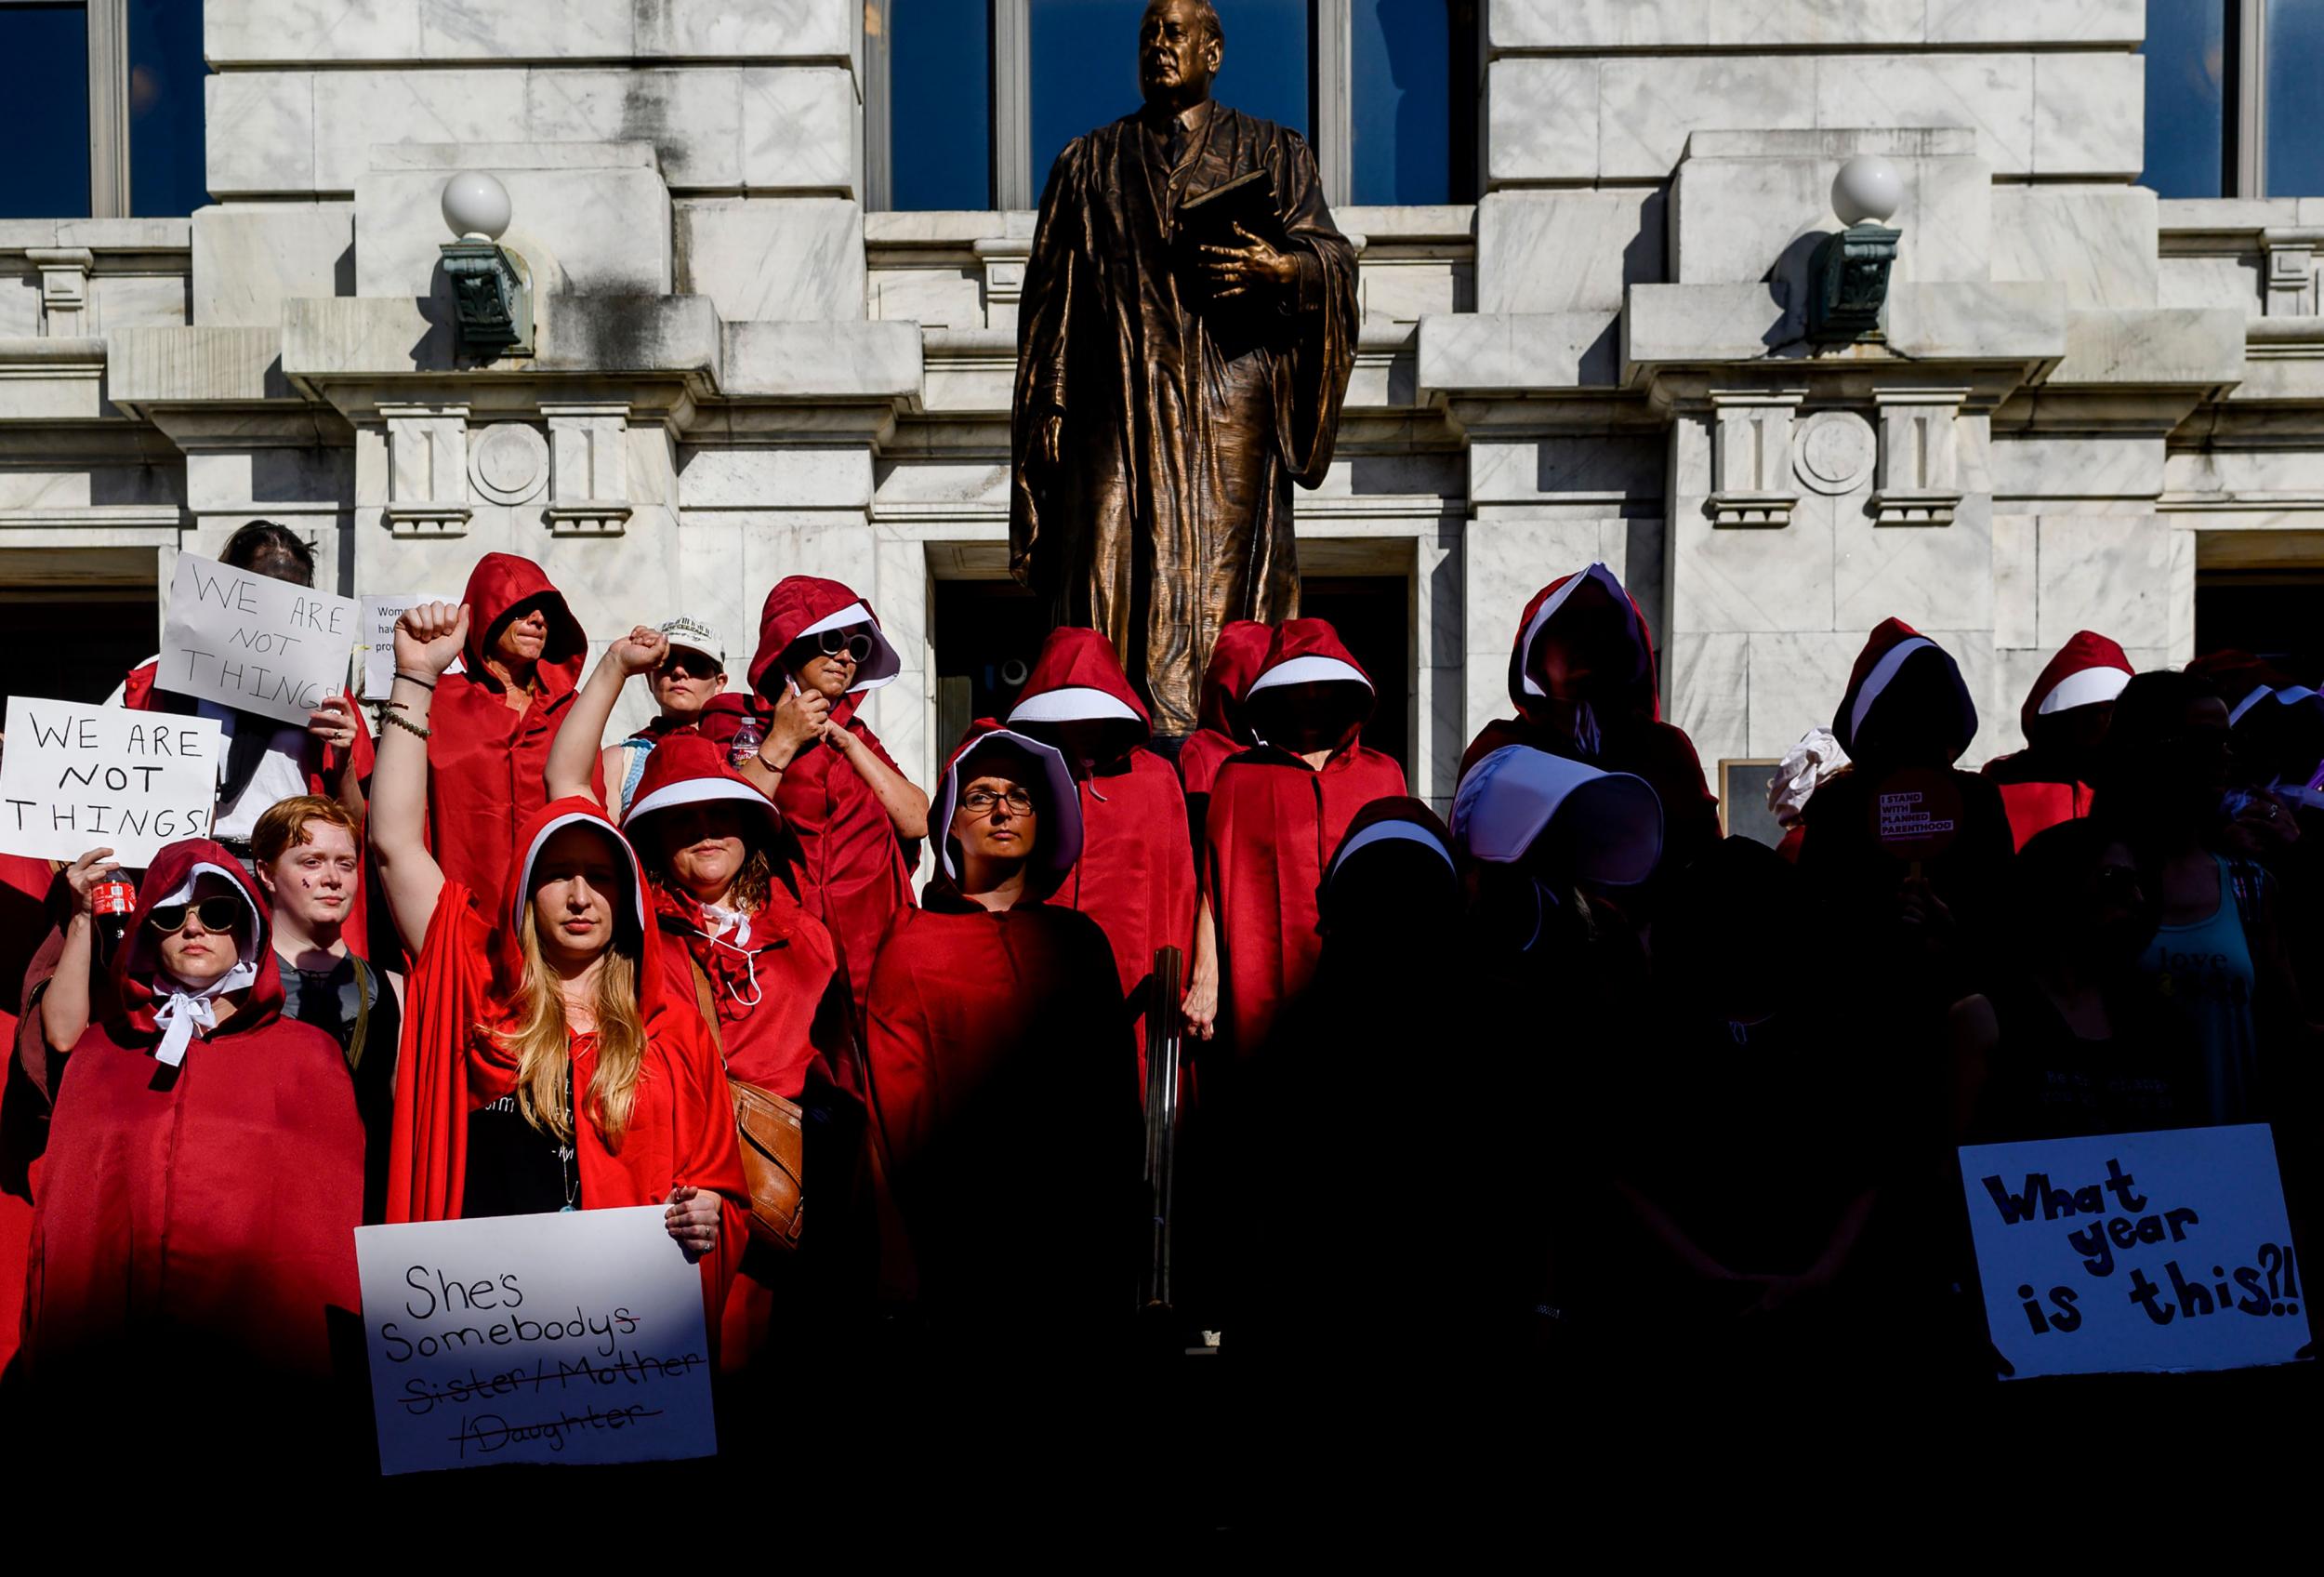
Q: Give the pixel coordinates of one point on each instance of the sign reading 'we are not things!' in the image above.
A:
(252, 642)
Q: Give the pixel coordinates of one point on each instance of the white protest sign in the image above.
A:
(576, 1337)
(253, 643)
(378, 651)
(73, 779)
(2136, 1252)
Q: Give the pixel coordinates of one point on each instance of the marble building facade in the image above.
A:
(2086, 400)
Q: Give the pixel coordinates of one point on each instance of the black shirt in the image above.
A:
(516, 1169)
(349, 1002)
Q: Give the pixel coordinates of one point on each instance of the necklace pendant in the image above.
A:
(564, 1210)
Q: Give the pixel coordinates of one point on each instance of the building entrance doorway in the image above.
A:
(79, 620)
(2270, 612)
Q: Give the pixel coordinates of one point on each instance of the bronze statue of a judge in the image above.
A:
(1174, 377)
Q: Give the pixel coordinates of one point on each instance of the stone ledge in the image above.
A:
(1491, 352)
(1707, 322)
(97, 235)
(187, 365)
(873, 360)
(1967, 321)
(2198, 346)
(514, 156)
(1835, 144)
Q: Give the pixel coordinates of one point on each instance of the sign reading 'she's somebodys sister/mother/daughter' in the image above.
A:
(2168, 1251)
(252, 642)
(574, 1337)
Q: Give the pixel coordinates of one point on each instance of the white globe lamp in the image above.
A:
(1867, 190)
(476, 205)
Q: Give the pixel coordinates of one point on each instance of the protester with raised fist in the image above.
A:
(545, 1065)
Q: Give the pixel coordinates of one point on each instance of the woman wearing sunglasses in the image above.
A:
(546, 1065)
(1002, 1070)
(204, 1174)
(856, 818)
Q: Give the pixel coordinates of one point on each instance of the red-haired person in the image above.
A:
(545, 1065)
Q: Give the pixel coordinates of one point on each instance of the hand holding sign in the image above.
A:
(252, 642)
(76, 776)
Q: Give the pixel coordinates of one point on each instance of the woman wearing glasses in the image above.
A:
(204, 1169)
(1002, 1068)
(856, 818)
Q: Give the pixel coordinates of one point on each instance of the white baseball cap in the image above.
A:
(696, 636)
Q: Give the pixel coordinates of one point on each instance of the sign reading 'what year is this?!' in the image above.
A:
(574, 1337)
(75, 778)
(252, 642)
(2136, 1252)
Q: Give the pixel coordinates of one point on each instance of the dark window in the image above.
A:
(940, 93)
(166, 179)
(2270, 612)
(2186, 74)
(1403, 121)
(2295, 97)
(1085, 67)
(44, 76)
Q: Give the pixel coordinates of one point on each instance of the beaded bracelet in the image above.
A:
(405, 723)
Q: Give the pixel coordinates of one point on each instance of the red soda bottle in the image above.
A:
(111, 903)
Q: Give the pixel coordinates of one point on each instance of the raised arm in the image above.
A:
(427, 639)
(582, 735)
(65, 1005)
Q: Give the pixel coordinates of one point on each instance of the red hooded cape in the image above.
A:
(852, 872)
(1136, 873)
(1623, 701)
(24, 924)
(770, 993)
(218, 1200)
(464, 988)
(1272, 824)
(1000, 1069)
(486, 764)
(1219, 733)
(2038, 790)
(322, 763)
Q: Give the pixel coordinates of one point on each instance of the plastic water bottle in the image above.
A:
(748, 739)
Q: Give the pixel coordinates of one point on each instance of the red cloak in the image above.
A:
(770, 993)
(852, 871)
(1272, 824)
(1219, 730)
(2039, 789)
(322, 763)
(1587, 625)
(216, 1200)
(24, 925)
(1136, 873)
(1000, 1071)
(464, 990)
(486, 764)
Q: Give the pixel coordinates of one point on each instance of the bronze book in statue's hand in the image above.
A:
(1208, 218)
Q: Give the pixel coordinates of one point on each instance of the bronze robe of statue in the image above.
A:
(1169, 511)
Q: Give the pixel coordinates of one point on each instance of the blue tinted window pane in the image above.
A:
(1402, 109)
(2186, 63)
(44, 80)
(2295, 96)
(940, 102)
(166, 72)
(1084, 66)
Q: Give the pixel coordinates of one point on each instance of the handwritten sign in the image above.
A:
(73, 779)
(576, 1337)
(2136, 1252)
(252, 642)
(1916, 813)
(377, 652)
